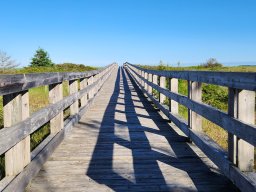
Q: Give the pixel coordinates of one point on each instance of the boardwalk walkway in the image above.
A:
(124, 144)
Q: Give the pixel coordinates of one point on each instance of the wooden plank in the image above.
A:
(56, 95)
(238, 80)
(237, 127)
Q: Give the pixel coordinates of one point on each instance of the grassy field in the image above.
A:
(38, 99)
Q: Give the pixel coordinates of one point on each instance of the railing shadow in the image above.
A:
(141, 172)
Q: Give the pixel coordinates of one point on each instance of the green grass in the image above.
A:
(38, 99)
(214, 95)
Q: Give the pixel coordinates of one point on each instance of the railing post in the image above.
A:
(83, 84)
(150, 78)
(162, 83)
(16, 109)
(145, 84)
(55, 95)
(154, 81)
(241, 105)
(173, 87)
(142, 82)
(73, 88)
(91, 92)
(194, 93)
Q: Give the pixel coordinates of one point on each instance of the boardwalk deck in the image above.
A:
(123, 144)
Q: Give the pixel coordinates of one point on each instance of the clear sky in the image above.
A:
(99, 32)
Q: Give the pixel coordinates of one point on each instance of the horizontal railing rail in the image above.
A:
(238, 163)
(22, 164)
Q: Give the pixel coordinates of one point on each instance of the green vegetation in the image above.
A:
(214, 95)
(38, 99)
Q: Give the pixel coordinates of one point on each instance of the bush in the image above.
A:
(211, 63)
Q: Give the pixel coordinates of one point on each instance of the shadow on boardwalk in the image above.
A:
(146, 162)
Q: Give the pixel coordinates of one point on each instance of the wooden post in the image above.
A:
(150, 80)
(142, 82)
(154, 81)
(90, 81)
(241, 106)
(173, 87)
(16, 109)
(73, 88)
(194, 93)
(145, 84)
(162, 83)
(83, 84)
(55, 95)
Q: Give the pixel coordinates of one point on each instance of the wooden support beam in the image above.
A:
(83, 84)
(55, 95)
(173, 87)
(162, 83)
(16, 109)
(241, 106)
(194, 93)
(73, 88)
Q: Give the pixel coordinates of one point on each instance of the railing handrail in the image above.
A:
(238, 124)
(237, 80)
(18, 124)
(10, 83)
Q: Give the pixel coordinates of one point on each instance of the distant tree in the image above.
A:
(210, 63)
(6, 61)
(41, 59)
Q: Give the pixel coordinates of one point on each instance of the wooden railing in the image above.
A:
(237, 164)
(21, 165)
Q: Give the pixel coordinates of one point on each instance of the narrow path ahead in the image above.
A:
(124, 144)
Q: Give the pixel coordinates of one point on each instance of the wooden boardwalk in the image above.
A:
(123, 144)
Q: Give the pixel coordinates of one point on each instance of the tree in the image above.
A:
(41, 59)
(6, 61)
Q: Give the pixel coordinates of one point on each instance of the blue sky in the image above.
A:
(99, 32)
